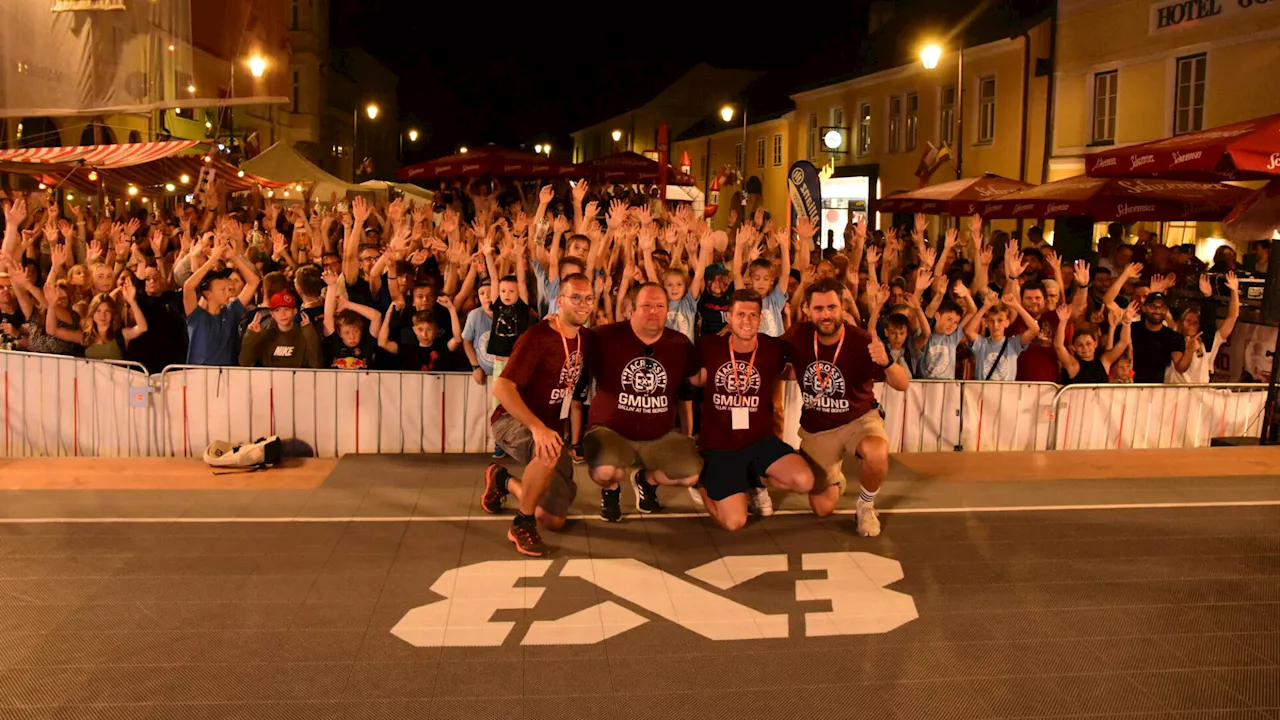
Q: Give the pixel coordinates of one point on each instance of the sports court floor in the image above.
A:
(373, 587)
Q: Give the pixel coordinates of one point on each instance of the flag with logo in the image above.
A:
(806, 191)
(932, 159)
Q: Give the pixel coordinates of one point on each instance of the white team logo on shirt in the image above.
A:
(730, 391)
(482, 349)
(570, 370)
(644, 382)
(823, 388)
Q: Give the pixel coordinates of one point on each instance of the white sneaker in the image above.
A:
(868, 521)
(760, 503)
(697, 498)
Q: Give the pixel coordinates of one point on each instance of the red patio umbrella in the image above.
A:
(488, 160)
(629, 167)
(957, 197)
(1247, 150)
(1130, 200)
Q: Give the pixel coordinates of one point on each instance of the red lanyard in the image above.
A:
(741, 384)
(817, 366)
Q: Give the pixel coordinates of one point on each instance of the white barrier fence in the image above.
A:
(61, 406)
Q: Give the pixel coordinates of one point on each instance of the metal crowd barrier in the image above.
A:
(1095, 417)
(62, 406)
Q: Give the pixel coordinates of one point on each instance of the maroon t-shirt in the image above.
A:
(540, 371)
(833, 394)
(636, 384)
(726, 390)
(1038, 362)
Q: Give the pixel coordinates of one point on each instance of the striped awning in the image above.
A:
(99, 156)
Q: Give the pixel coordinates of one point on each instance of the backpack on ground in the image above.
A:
(263, 453)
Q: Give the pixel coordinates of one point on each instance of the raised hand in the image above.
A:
(975, 228)
(1161, 283)
(804, 228)
(580, 192)
(1052, 261)
(1064, 312)
(1206, 288)
(15, 211)
(617, 214)
(546, 195)
(1132, 270)
(560, 225)
(1233, 283)
(876, 349)
(330, 278)
(873, 256)
(1082, 273)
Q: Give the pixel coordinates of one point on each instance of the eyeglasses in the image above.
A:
(579, 299)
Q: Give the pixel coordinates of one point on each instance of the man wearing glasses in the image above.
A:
(639, 367)
(535, 391)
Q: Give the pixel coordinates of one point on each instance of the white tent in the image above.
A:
(689, 194)
(412, 192)
(282, 163)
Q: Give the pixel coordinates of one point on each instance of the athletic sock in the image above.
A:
(503, 476)
(522, 519)
(867, 496)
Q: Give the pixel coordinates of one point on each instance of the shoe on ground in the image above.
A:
(759, 502)
(697, 498)
(498, 452)
(611, 504)
(575, 452)
(646, 494)
(868, 520)
(495, 484)
(526, 538)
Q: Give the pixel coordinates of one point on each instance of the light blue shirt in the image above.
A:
(549, 286)
(938, 360)
(680, 314)
(771, 312)
(986, 355)
(479, 324)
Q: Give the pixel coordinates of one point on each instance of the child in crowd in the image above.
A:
(938, 356)
(285, 343)
(423, 353)
(1082, 364)
(349, 343)
(476, 332)
(760, 278)
(995, 355)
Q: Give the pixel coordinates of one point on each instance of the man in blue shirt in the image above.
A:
(213, 317)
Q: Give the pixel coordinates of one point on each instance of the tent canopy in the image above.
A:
(284, 164)
(98, 156)
(488, 160)
(1241, 151)
(957, 197)
(1108, 199)
(629, 167)
(413, 192)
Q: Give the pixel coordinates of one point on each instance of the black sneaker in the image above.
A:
(498, 452)
(495, 488)
(611, 504)
(646, 494)
(525, 536)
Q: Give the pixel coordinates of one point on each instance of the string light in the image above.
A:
(133, 191)
(185, 178)
(240, 174)
(170, 187)
(93, 176)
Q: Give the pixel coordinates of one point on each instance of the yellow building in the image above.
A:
(715, 144)
(883, 118)
(1136, 71)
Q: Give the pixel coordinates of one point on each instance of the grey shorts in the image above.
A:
(516, 440)
(674, 454)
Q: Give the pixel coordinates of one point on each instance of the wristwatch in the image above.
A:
(888, 365)
(475, 367)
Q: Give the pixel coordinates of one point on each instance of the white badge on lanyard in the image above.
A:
(739, 418)
(564, 407)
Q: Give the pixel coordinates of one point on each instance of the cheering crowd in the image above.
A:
(691, 331)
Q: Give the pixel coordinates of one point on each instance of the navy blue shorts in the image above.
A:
(729, 472)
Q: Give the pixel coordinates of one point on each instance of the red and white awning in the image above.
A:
(98, 156)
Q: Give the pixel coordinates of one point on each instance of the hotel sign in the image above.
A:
(1181, 14)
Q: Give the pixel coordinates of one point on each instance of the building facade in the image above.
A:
(697, 94)
(766, 156)
(355, 82)
(1137, 71)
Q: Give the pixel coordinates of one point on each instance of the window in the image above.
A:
(777, 150)
(895, 123)
(864, 129)
(947, 119)
(737, 154)
(1188, 112)
(813, 135)
(837, 120)
(760, 152)
(913, 120)
(297, 91)
(986, 110)
(293, 14)
(1104, 107)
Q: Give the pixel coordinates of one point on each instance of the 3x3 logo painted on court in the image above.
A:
(854, 585)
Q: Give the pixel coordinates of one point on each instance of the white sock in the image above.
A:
(867, 496)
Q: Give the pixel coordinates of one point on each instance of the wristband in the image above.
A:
(890, 364)
(475, 367)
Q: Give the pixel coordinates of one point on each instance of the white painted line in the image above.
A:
(481, 517)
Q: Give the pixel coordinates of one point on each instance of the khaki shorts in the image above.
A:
(498, 365)
(825, 451)
(673, 454)
(516, 440)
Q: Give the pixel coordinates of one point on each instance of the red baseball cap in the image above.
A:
(282, 299)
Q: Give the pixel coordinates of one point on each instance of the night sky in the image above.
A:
(470, 75)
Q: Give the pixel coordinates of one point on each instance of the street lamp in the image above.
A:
(617, 135)
(929, 56)
(413, 138)
(547, 149)
(538, 148)
(372, 111)
(726, 114)
(257, 64)
(413, 135)
(463, 149)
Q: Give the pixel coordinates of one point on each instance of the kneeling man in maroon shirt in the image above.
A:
(737, 377)
(837, 366)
